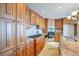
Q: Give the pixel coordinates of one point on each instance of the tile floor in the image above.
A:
(50, 49)
(67, 48)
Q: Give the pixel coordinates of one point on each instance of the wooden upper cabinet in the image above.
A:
(33, 19)
(22, 10)
(18, 12)
(28, 16)
(37, 20)
(14, 10)
(69, 21)
(1, 9)
(59, 24)
(6, 10)
(42, 23)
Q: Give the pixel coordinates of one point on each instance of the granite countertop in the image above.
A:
(35, 36)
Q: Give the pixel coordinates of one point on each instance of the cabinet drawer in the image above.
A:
(21, 51)
(9, 53)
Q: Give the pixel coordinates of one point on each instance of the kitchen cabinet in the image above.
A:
(46, 25)
(59, 24)
(23, 14)
(21, 39)
(18, 12)
(6, 10)
(33, 48)
(42, 23)
(20, 33)
(27, 16)
(33, 19)
(8, 34)
(40, 42)
(37, 20)
(14, 10)
(21, 50)
(13, 17)
(69, 21)
(11, 52)
(57, 37)
(30, 49)
(1, 9)
(23, 11)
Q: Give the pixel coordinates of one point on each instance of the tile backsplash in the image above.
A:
(32, 30)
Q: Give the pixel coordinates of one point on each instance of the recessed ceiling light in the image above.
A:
(43, 12)
(59, 7)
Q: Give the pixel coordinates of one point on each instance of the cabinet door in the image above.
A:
(30, 49)
(39, 45)
(42, 23)
(18, 12)
(33, 19)
(27, 16)
(14, 10)
(20, 33)
(11, 52)
(37, 20)
(1, 9)
(7, 35)
(59, 24)
(8, 10)
(22, 11)
(21, 51)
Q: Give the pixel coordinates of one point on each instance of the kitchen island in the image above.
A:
(35, 44)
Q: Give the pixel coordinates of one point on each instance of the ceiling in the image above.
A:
(53, 10)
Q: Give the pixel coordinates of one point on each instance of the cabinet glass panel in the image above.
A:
(20, 32)
(6, 34)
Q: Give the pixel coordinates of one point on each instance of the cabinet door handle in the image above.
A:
(18, 48)
(13, 50)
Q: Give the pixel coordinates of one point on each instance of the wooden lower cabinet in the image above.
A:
(30, 49)
(35, 47)
(39, 45)
(11, 52)
(57, 37)
(21, 50)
